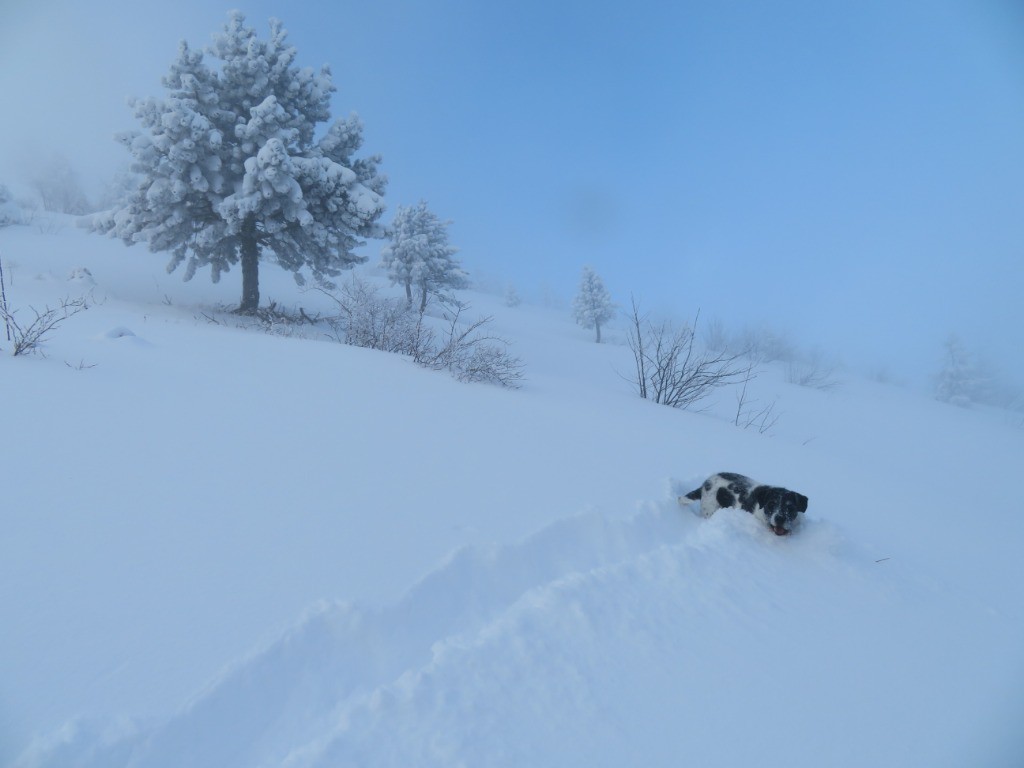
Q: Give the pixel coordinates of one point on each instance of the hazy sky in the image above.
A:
(851, 173)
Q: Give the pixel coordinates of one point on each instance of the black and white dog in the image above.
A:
(775, 507)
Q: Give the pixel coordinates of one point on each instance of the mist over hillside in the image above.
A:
(847, 177)
(357, 370)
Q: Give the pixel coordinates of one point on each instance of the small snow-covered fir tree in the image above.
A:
(231, 171)
(419, 256)
(592, 307)
(512, 298)
(958, 382)
(9, 212)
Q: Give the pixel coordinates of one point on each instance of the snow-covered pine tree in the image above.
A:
(419, 255)
(592, 307)
(512, 298)
(9, 211)
(958, 382)
(231, 171)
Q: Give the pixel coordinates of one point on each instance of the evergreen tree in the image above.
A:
(9, 210)
(512, 298)
(230, 170)
(593, 306)
(959, 381)
(419, 255)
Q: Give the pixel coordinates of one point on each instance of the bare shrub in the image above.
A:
(813, 372)
(765, 345)
(29, 336)
(748, 414)
(467, 350)
(56, 183)
(273, 319)
(367, 319)
(3, 300)
(669, 370)
(716, 337)
(277, 320)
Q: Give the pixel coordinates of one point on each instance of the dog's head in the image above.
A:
(782, 510)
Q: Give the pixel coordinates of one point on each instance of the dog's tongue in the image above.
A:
(780, 531)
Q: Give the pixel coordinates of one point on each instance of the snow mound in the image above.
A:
(81, 276)
(524, 654)
(120, 332)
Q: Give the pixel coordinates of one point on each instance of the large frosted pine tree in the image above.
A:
(419, 256)
(232, 169)
(592, 307)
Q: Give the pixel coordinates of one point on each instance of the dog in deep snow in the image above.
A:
(775, 507)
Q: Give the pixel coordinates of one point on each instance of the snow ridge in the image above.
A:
(512, 654)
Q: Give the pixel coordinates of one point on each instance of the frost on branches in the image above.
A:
(231, 172)
(593, 305)
(419, 255)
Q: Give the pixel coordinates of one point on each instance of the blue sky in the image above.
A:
(851, 174)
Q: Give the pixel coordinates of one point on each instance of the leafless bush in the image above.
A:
(56, 183)
(468, 351)
(272, 318)
(48, 224)
(747, 413)
(669, 370)
(278, 320)
(813, 372)
(3, 301)
(29, 336)
(716, 337)
(367, 319)
(765, 345)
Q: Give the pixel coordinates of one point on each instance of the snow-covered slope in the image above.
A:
(226, 548)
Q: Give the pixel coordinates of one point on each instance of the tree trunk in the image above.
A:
(408, 293)
(598, 326)
(423, 299)
(250, 252)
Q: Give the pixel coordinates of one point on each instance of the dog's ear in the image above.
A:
(801, 502)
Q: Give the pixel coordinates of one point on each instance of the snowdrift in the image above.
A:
(440, 574)
(637, 641)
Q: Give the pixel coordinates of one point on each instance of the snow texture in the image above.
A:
(483, 576)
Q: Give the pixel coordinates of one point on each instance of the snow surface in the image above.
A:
(228, 548)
